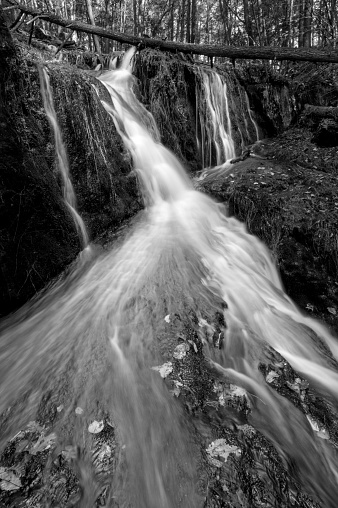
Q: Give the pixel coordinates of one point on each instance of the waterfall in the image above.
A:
(92, 341)
(214, 126)
(214, 120)
(61, 155)
(236, 266)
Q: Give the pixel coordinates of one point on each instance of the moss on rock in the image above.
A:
(38, 237)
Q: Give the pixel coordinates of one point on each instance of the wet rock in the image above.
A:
(271, 96)
(38, 237)
(326, 134)
(294, 210)
(35, 473)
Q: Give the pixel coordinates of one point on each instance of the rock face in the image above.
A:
(177, 93)
(38, 236)
(271, 97)
(167, 88)
(100, 168)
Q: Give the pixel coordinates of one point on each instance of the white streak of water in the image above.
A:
(215, 121)
(61, 155)
(254, 123)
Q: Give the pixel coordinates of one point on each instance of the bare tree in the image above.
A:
(92, 21)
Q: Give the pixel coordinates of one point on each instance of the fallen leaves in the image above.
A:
(9, 480)
(231, 392)
(181, 350)
(164, 369)
(219, 451)
(271, 376)
(96, 427)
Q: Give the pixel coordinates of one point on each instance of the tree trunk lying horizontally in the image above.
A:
(321, 111)
(233, 52)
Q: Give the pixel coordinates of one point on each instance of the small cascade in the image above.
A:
(215, 132)
(169, 181)
(254, 123)
(224, 119)
(61, 155)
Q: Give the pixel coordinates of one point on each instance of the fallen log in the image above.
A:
(233, 52)
(321, 111)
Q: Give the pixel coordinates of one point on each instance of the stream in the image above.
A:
(93, 343)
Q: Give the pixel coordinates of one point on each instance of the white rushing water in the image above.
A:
(97, 333)
(214, 126)
(61, 156)
(215, 122)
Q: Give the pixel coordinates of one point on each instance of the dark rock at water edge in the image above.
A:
(173, 89)
(100, 168)
(167, 88)
(271, 96)
(294, 210)
(38, 236)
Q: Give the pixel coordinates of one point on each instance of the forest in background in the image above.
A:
(285, 24)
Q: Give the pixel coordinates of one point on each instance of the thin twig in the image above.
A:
(64, 42)
(18, 22)
(10, 8)
(32, 20)
(31, 34)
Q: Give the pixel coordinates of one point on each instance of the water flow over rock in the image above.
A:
(215, 123)
(238, 268)
(61, 155)
(98, 334)
(253, 121)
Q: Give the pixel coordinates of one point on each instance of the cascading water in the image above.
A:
(214, 128)
(215, 123)
(91, 340)
(61, 155)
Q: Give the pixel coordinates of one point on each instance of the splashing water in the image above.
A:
(61, 155)
(95, 336)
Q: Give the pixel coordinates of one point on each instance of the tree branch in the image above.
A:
(261, 53)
